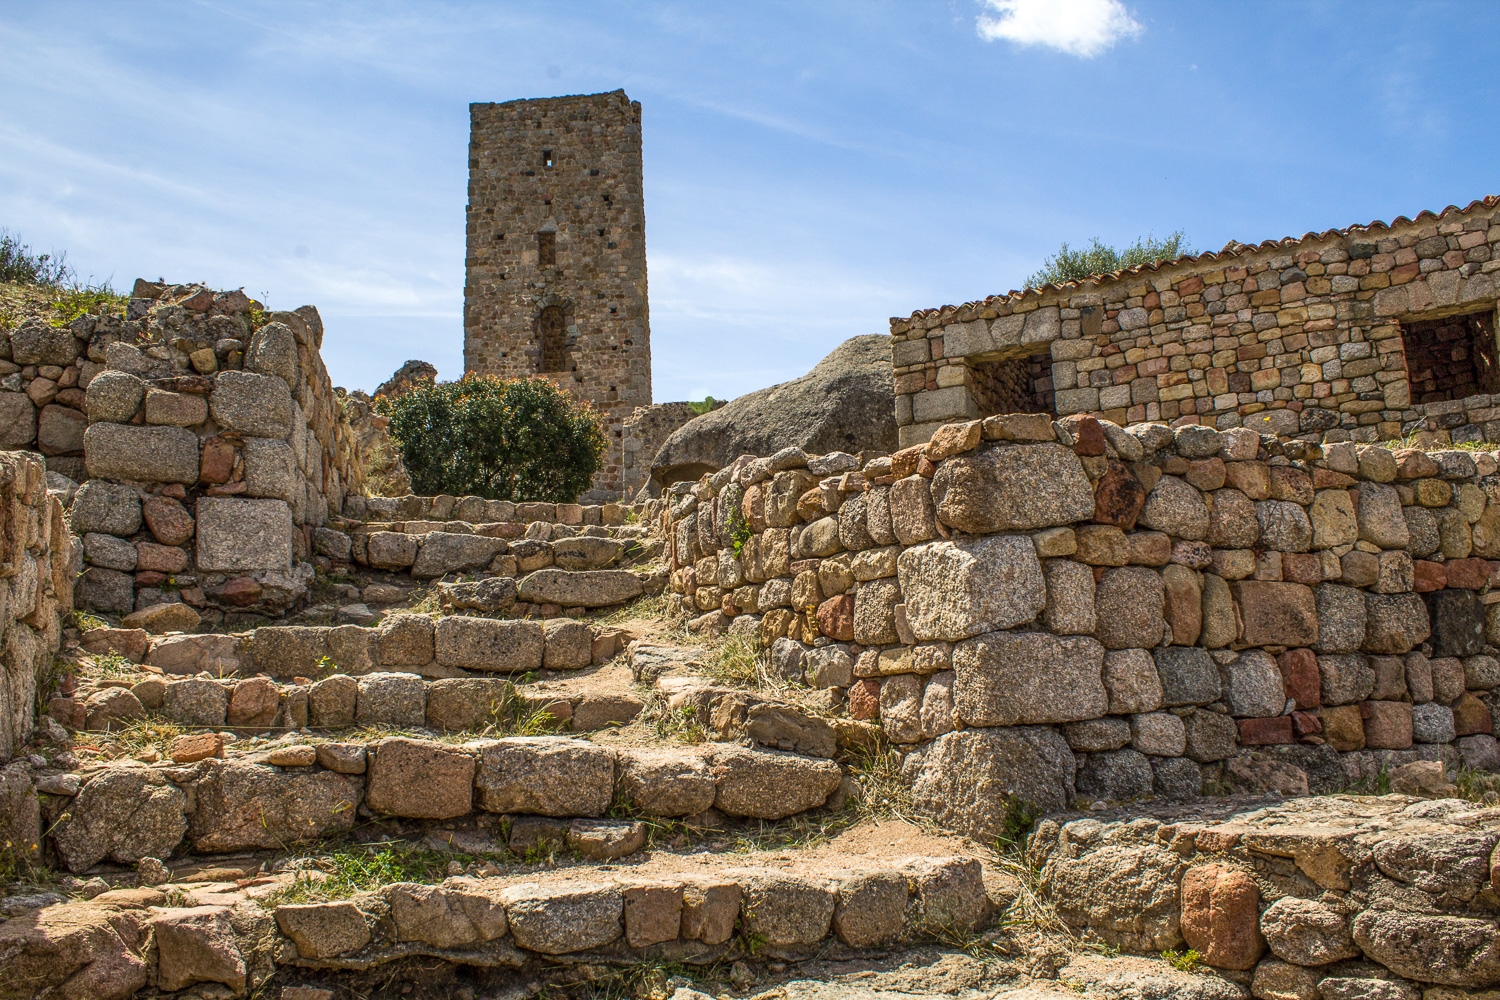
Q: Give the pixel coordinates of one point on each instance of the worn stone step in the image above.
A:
(445, 646)
(381, 699)
(695, 909)
(300, 792)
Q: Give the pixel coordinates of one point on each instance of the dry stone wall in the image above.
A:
(208, 438)
(38, 561)
(1329, 337)
(1079, 612)
(1341, 897)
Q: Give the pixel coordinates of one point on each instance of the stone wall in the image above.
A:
(556, 264)
(1076, 611)
(646, 430)
(38, 561)
(1301, 337)
(215, 445)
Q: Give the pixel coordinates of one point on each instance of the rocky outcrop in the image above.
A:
(846, 403)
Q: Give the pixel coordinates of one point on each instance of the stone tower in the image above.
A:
(556, 262)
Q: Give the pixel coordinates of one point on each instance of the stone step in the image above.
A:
(695, 909)
(297, 791)
(446, 646)
(383, 699)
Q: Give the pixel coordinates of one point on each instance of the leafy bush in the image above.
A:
(703, 407)
(1098, 258)
(20, 265)
(501, 439)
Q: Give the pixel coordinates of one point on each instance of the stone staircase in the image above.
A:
(197, 804)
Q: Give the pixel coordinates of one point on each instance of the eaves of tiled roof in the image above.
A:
(1230, 252)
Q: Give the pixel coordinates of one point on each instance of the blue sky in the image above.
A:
(812, 168)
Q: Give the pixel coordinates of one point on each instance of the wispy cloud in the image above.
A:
(1082, 28)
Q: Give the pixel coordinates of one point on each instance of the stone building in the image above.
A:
(556, 261)
(1366, 333)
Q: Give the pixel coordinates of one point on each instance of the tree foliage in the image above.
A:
(1069, 264)
(501, 439)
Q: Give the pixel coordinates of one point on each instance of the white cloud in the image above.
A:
(1081, 28)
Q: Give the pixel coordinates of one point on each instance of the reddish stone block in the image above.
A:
(864, 700)
(1221, 916)
(160, 558)
(1266, 732)
(1302, 567)
(1306, 724)
(1471, 716)
(1428, 576)
(1300, 678)
(1118, 497)
(836, 618)
(240, 591)
(1468, 574)
(216, 464)
(168, 520)
(1387, 725)
(1088, 436)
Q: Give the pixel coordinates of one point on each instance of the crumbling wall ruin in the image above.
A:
(214, 445)
(38, 561)
(1075, 611)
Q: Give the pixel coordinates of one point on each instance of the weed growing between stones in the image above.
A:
(679, 726)
(1479, 786)
(735, 661)
(138, 738)
(654, 607)
(362, 868)
(1185, 961)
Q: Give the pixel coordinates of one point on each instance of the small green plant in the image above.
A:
(1020, 817)
(85, 300)
(20, 264)
(741, 534)
(1186, 961)
(113, 664)
(703, 406)
(84, 621)
(363, 867)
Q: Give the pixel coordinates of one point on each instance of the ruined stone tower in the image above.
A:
(556, 263)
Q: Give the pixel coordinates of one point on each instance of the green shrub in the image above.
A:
(501, 439)
(20, 265)
(1098, 258)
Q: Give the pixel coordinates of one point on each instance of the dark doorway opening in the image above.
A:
(1451, 358)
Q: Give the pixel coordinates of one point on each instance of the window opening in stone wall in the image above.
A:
(546, 157)
(1451, 358)
(1009, 385)
(546, 248)
(552, 332)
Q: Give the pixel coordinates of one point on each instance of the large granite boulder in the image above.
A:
(846, 403)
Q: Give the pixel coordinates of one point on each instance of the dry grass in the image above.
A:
(1414, 440)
